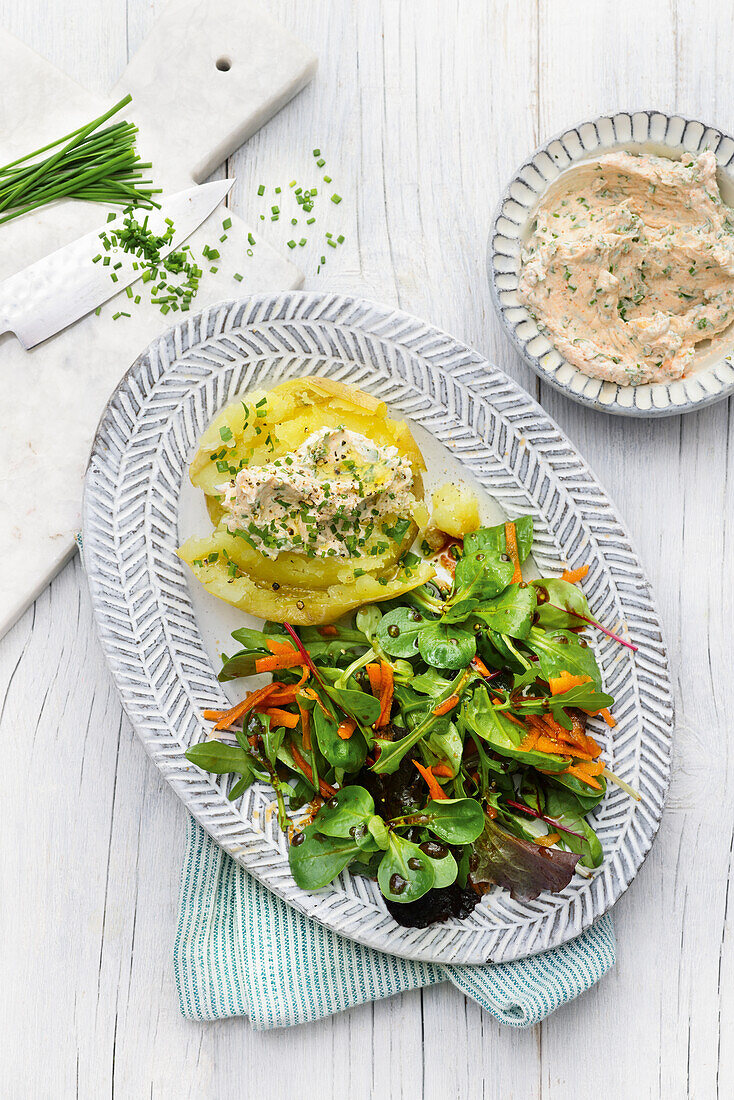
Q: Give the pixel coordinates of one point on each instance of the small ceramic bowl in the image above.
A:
(712, 378)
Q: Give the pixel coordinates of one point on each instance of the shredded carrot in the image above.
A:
(282, 717)
(573, 576)
(610, 721)
(386, 694)
(446, 706)
(491, 812)
(511, 543)
(346, 728)
(442, 770)
(287, 692)
(584, 776)
(548, 839)
(374, 671)
(279, 660)
(328, 631)
(566, 681)
(305, 767)
(528, 743)
(480, 666)
(275, 646)
(305, 726)
(312, 695)
(547, 744)
(243, 708)
(434, 786)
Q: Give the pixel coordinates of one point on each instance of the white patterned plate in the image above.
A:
(475, 420)
(712, 378)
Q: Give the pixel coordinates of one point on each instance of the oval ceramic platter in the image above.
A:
(712, 378)
(163, 634)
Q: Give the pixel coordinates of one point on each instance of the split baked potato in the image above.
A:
(303, 590)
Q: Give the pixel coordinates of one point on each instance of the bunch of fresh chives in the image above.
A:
(99, 165)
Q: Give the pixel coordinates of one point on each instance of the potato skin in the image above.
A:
(292, 586)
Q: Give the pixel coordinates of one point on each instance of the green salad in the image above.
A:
(438, 742)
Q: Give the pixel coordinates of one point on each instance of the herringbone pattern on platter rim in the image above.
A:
(149, 633)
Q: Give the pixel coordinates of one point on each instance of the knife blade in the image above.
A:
(46, 297)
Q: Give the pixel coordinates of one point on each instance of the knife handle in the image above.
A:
(228, 66)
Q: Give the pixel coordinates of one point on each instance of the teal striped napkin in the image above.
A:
(241, 951)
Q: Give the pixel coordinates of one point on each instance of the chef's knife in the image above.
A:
(49, 295)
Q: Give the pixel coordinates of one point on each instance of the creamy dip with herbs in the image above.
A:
(326, 499)
(631, 264)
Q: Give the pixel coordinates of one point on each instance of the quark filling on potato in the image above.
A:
(631, 264)
(326, 499)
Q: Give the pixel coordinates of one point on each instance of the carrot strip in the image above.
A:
(583, 776)
(282, 717)
(328, 631)
(546, 744)
(443, 770)
(387, 687)
(434, 786)
(346, 728)
(573, 576)
(512, 551)
(480, 666)
(291, 659)
(547, 840)
(610, 721)
(288, 692)
(528, 743)
(565, 681)
(275, 646)
(305, 767)
(446, 706)
(241, 709)
(374, 671)
(312, 695)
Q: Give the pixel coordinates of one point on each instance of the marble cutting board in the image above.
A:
(210, 73)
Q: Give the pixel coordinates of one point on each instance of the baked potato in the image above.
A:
(455, 510)
(293, 586)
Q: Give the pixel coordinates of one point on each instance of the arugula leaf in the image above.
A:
(445, 646)
(584, 696)
(316, 859)
(523, 868)
(405, 873)
(509, 613)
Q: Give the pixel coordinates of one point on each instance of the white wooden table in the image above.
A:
(422, 108)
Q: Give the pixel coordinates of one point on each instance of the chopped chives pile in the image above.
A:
(135, 238)
(97, 165)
